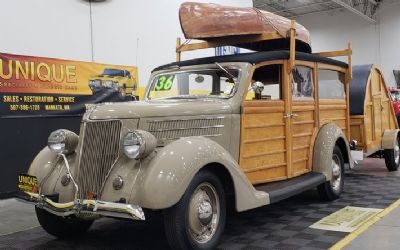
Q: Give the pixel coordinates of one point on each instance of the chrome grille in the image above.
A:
(100, 149)
(174, 129)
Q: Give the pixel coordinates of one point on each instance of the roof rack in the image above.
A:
(232, 41)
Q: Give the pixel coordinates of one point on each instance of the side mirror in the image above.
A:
(257, 87)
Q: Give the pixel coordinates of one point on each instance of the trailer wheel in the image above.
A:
(198, 219)
(331, 189)
(62, 227)
(392, 157)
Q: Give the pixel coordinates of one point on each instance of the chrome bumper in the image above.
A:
(95, 207)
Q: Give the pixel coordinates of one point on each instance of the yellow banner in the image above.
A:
(46, 86)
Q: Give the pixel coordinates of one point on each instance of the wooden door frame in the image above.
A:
(285, 95)
(313, 66)
(325, 66)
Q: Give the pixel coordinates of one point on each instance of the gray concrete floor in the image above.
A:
(384, 234)
(10, 223)
(374, 166)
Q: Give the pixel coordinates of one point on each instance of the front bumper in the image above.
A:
(95, 207)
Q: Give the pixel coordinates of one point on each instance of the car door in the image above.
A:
(263, 147)
(302, 117)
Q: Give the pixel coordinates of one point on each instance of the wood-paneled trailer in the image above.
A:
(373, 123)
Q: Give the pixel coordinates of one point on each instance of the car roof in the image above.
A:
(255, 57)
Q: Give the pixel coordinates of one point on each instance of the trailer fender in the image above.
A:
(328, 136)
(389, 138)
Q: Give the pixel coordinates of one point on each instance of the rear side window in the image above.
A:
(302, 83)
(331, 84)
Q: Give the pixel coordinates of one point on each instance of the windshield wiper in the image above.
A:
(226, 71)
(179, 97)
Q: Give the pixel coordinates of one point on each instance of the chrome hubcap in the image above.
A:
(204, 212)
(336, 173)
(396, 151)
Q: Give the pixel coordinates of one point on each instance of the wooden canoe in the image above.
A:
(210, 22)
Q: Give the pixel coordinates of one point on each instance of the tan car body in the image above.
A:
(160, 180)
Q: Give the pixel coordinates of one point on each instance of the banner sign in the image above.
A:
(39, 86)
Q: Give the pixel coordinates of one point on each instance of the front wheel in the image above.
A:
(62, 227)
(331, 189)
(198, 219)
(392, 157)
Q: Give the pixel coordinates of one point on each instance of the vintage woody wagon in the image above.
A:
(244, 130)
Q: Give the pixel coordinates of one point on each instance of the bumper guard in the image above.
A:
(96, 207)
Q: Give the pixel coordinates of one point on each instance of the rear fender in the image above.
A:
(328, 136)
(389, 138)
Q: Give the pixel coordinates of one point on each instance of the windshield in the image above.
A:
(113, 72)
(208, 83)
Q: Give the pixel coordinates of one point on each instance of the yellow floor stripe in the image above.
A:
(351, 236)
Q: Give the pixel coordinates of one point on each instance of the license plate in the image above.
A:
(27, 183)
(357, 155)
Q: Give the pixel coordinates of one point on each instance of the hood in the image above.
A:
(165, 108)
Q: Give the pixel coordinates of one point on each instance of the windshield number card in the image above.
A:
(164, 82)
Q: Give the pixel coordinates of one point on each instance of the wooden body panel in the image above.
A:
(263, 141)
(302, 132)
(378, 115)
(333, 111)
(277, 136)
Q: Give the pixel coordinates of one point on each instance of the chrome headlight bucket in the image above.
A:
(138, 144)
(63, 141)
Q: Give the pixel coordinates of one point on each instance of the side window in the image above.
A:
(331, 84)
(271, 78)
(302, 83)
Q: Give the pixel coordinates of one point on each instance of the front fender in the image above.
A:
(43, 164)
(328, 136)
(48, 167)
(162, 182)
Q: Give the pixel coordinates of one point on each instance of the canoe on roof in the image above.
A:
(209, 22)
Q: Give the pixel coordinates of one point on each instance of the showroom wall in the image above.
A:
(125, 32)
(377, 43)
(142, 33)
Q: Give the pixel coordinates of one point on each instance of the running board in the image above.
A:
(281, 190)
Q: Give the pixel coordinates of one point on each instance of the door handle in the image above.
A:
(287, 115)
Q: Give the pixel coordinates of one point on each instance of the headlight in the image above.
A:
(94, 83)
(138, 144)
(62, 141)
(108, 84)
